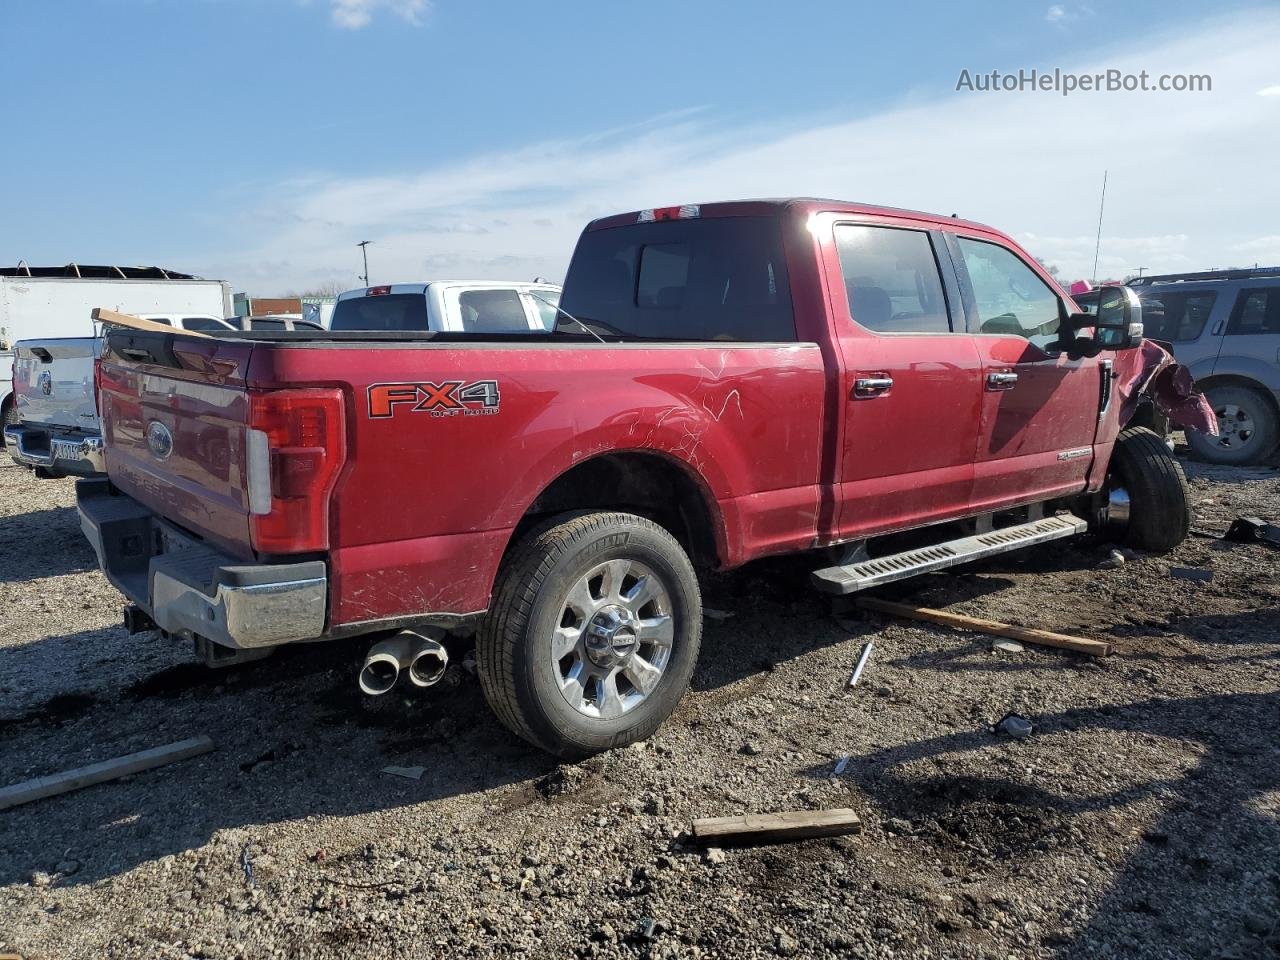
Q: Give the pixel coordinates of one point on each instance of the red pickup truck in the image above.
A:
(725, 382)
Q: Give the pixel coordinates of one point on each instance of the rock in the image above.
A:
(1257, 923)
(41, 879)
(714, 855)
(605, 934)
(67, 867)
(1114, 559)
(1007, 646)
(751, 748)
(784, 945)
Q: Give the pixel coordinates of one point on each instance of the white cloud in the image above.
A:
(1056, 13)
(1272, 91)
(1185, 188)
(356, 14)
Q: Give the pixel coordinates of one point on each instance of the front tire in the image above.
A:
(1247, 425)
(1150, 484)
(593, 635)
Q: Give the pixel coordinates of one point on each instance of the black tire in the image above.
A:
(10, 417)
(1237, 447)
(1159, 502)
(517, 673)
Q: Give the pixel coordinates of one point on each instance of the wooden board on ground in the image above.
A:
(775, 827)
(1046, 638)
(69, 780)
(103, 315)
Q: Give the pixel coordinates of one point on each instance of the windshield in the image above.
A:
(721, 278)
(395, 311)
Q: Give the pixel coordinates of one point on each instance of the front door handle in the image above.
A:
(1002, 381)
(871, 386)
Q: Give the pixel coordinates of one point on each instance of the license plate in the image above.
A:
(66, 450)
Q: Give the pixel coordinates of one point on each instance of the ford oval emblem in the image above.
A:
(159, 440)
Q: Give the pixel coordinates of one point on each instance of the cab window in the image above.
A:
(1009, 296)
(492, 311)
(891, 279)
(1256, 312)
(1175, 316)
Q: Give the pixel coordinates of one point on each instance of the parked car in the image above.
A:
(1225, 326)
(44, 303)
(471, 306)
(723, 382)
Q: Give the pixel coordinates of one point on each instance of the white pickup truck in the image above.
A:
(452, 306)
(49, 413)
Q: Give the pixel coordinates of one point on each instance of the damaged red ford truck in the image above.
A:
(725, 382)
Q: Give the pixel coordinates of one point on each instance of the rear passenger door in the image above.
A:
(910, 380)
(1040, 408)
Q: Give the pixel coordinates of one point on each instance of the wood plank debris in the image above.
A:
(69, 780)
(1045, 638)
(775, 827)
(103, 315)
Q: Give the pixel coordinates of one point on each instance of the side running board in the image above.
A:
(852, 577)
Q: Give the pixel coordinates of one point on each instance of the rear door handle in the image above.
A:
(871, 386)
(1001, 381)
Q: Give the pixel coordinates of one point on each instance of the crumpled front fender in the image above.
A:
(1152, 371)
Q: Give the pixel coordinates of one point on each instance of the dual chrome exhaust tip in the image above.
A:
(422, 658)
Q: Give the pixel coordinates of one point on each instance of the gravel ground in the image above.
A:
(1141, 820)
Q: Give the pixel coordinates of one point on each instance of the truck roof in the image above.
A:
(420, 286)
(774, 206)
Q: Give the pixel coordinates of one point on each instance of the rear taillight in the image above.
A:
(296, 445)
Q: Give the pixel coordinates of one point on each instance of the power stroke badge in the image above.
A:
(449, 398)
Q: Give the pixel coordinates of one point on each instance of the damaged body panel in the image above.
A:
(1152, 371)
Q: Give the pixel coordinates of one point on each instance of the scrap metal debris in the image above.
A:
(862, 662)
(409, 773)
(1253, 530)
(1015, 726)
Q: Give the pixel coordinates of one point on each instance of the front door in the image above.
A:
(1040, 408)
(910, 379)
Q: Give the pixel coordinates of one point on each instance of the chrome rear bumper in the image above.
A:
(192, 590)
(61, 454)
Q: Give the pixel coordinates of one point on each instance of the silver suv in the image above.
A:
(1225, 326)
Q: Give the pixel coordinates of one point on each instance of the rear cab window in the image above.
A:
(392, 311)
(713, 278)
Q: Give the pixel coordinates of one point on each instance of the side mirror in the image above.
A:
(1118, 322)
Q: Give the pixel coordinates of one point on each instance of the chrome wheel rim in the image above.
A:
(612, 642)
(1235, 426)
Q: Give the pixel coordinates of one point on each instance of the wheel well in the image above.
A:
(1233, 380)
(645, 484)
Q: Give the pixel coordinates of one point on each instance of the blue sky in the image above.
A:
(258, 140)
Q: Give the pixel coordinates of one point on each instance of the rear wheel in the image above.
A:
(1148, 504)
(594, 633)
(1247, 427)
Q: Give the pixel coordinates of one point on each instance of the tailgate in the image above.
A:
(174, 410)
(53, 382)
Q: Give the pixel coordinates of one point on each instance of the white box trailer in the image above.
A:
(46, 302)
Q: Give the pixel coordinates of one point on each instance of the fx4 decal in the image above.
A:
(450, 398)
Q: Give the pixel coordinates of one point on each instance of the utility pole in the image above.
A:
(364, 251)
(1098, 246)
